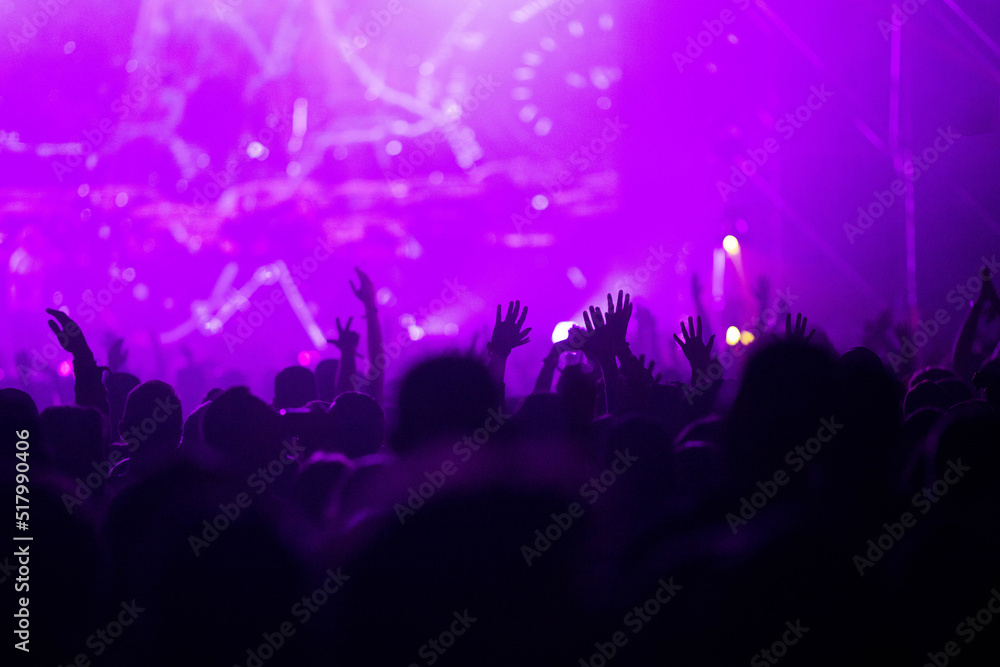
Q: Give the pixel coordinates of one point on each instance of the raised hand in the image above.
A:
(365, 291)
(799, 331)
(649, 369)
(598, 342)
(68, 333)
(347, 340)
(617, 318)
(698, 353)
(88, 390)
(508, 332)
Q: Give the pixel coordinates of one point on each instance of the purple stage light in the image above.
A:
(521, 149)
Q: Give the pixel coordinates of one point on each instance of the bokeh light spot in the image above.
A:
(732, 335)
(561, 331)
(543, 126)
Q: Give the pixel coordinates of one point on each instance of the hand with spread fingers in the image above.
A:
(799, 331)
(509, 332)
(617, 319)
(696, 350)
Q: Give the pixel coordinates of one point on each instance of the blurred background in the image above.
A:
(168, 166)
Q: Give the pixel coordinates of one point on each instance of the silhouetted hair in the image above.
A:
(294, 387)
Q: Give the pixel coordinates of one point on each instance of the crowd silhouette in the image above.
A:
(790, 503)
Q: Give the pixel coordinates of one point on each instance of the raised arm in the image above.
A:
(89, 391)
(508, 333)
(543, 385)
(606, 341)
(347, 342)
(696, 350)
(965, 362)
(703, 388)
(365, 292)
